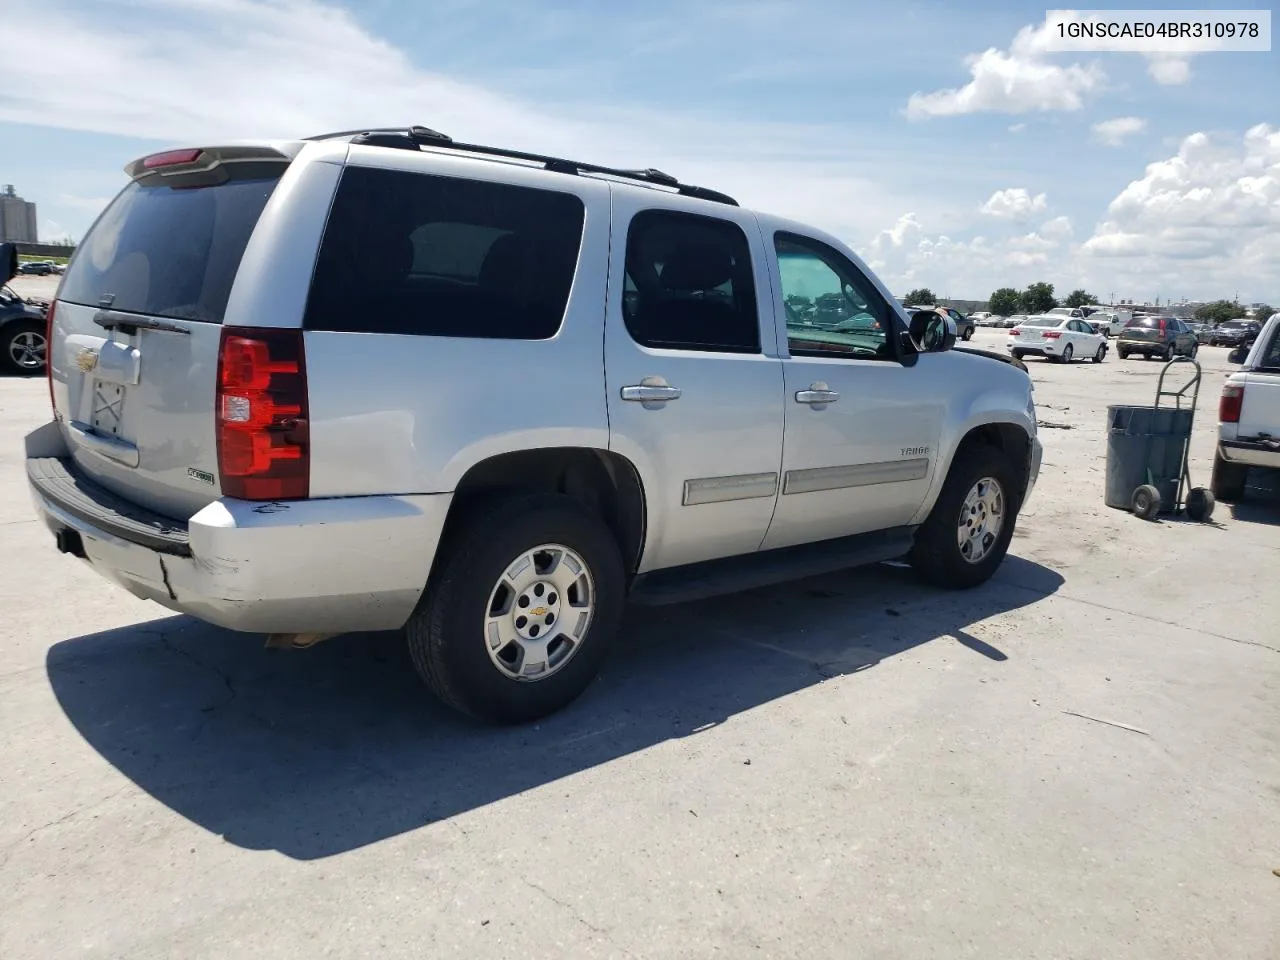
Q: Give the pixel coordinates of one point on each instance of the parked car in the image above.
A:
(1235, 333)
(1249, 416)
(965, 326)
(1204, 335)
(1160, 337)
(1013, 321)
(233, 441)
(39, 268)
(22, 333)
(1056, 337)
(1109, 322)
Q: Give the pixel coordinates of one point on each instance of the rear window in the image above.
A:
(1042, 322)
(1146, 323)
(412, 253)
(168, 251)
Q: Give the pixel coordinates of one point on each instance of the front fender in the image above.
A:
(1003, 399)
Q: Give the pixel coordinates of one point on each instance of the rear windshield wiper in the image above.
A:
(129, 324)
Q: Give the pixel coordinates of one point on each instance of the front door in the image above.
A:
(861, 427)
(693, 379)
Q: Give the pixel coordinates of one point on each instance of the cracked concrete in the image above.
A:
(1080, 759)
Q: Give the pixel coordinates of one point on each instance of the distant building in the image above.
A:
(17, 217)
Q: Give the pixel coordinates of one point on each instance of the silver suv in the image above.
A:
(383, 380)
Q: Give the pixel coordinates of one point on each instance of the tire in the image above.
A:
(447, 632)
(968, 334)
(937, 555)
(1228, 480)
(1195, 348)
(1200, 504)
(1101, 354)
(1146, 502)
(1124, 354)
(1168, 354)
(1068, 353)
(20, 343)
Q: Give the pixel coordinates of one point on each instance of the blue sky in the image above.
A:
(940, 141)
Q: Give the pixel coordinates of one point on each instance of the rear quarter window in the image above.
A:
(170, 251)
(411, 253)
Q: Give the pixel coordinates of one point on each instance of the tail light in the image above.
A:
(1231, 403)
(1015, 333)
(48, 351)
(264, 448)
(1163, 328)
(1052, 334)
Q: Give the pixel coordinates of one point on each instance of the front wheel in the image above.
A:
(1101, 354)
(967, 533)
(968, 333)
(519, 616)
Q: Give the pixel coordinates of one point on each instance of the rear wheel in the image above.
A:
(22, 347)
(1146, 502)
(967, 533)
(1228, 479)
(1067, 353)
(1124, 354)
(519, 617)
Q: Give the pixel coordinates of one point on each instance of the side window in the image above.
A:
(689, 284)
(831, 307)
(411, 253)
(1270, 357)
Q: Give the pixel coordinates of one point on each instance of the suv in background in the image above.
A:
(1235, 333)
(1249, 416)
(1161, 337)
(38, 268)
(563, 386)
(965, 326)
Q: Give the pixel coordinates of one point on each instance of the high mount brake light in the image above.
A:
(264, 448)
(171, 158)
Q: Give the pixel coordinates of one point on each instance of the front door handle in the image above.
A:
(650, 393)
(817, 394)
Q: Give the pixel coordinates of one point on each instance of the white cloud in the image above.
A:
(1209, 216)
(1169, 69)
(1017, 127)
(1015, 203)
(1113, 132)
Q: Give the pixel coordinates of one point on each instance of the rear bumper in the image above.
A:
(1252, 452)
(334, 565)
(1142, 346)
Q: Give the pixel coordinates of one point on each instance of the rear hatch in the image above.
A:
(137, 323)
(1144, 330)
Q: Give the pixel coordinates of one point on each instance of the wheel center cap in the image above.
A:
(536, 611)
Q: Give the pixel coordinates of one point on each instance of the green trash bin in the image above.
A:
(1146, 445)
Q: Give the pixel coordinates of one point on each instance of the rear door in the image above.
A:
(137, 323)
(693, 380)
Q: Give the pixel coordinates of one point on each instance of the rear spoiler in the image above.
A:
(198, 160)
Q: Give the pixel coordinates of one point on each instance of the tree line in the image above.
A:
(1039, 298)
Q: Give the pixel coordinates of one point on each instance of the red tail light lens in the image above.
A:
(1052, 334)
(170, 158)
(48, 352)
(261, 415)
(1015, 333)
(1163, 328)
(1231, 403)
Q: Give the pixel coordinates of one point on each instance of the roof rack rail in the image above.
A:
(411, 138)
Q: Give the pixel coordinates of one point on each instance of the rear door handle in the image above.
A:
(818, 393)
(650, 393)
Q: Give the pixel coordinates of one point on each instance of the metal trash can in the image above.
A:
(1146, 445)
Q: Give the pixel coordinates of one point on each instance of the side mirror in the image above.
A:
(8, 262)
(1238, 355)
(932, 331)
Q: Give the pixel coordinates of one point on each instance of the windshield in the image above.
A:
(168, 251)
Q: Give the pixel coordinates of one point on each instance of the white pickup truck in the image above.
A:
(1249, 416)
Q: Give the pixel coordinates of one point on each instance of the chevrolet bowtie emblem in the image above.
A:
(538, 612)
(86, 360)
